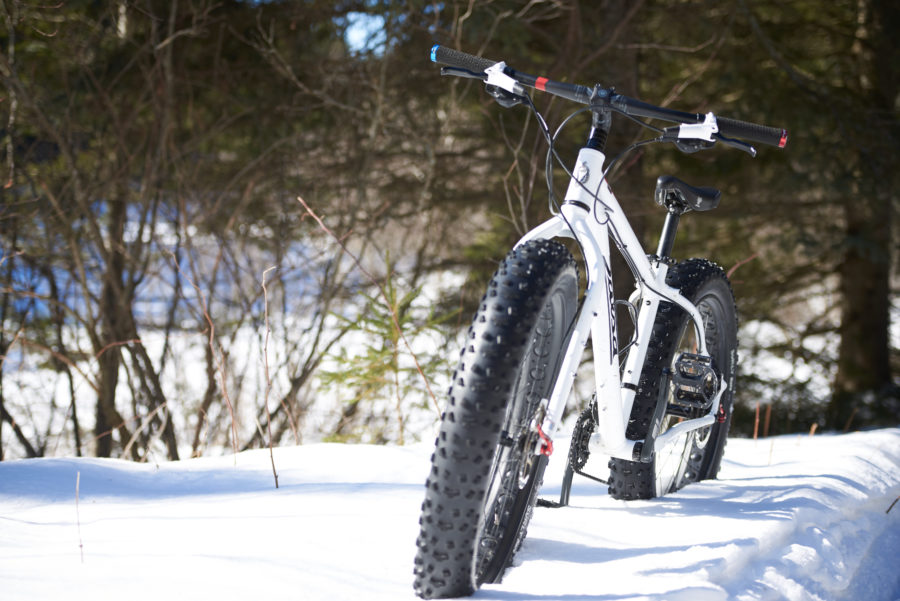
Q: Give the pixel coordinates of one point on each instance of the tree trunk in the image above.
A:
(109, 355)
(863, 361)
(863, 388)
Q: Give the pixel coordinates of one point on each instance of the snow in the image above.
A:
(793, 517)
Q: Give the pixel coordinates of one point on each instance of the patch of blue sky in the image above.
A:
(365, 33)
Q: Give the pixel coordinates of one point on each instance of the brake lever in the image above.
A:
(457, 72)
(690, 145)
(739, 144)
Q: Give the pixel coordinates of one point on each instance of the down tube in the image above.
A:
(596, 320)
(604, 342)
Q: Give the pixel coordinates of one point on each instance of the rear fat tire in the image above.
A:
(706, 285)
(482, 487)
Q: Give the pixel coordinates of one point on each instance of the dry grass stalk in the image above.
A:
(78, 515)
(266, 367)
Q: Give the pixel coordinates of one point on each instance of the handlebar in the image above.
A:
(454, 58)
(597, 97)
(475, 64)
(773, 136)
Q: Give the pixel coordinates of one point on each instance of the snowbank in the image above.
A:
(793, 517)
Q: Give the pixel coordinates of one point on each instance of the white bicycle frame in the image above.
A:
(592, 215)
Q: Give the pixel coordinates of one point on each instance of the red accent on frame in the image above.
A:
(546, 443)
(783, 140)
(541, 83)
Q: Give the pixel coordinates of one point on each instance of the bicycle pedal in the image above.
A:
(694, 383)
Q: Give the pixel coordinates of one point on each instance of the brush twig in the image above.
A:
(381, 291)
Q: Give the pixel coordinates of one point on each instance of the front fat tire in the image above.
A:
(706, 285)
(509, 363)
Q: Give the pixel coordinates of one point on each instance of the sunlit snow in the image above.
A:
(793, 517)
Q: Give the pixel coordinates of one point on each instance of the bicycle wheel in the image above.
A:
(486, 470)
(696, 455)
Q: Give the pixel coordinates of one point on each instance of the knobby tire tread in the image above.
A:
(469, 434)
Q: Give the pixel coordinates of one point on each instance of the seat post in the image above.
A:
(667, 238)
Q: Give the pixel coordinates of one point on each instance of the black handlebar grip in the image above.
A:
(454, 58)
(732, 128)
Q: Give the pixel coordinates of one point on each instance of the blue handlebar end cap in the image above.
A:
(434, 52)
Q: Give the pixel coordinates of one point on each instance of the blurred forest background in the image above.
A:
(166, 293)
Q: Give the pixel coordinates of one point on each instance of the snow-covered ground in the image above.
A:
(793, 517)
